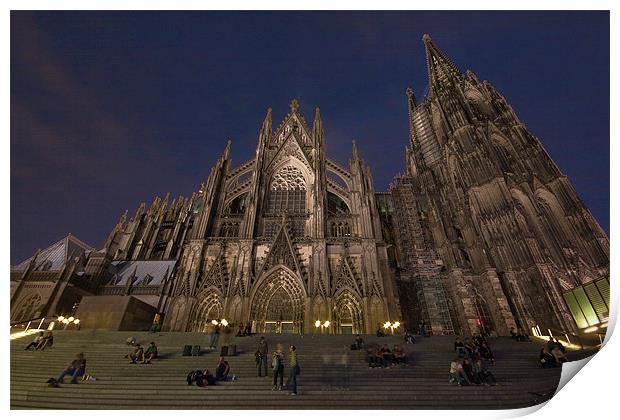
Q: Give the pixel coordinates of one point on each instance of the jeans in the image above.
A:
(292, 379)
(33, 344)
(73, 372)
(262, 363)
(278, 372)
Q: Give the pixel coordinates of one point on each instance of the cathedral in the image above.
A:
(482, 233)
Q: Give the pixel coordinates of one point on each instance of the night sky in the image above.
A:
(109, 109)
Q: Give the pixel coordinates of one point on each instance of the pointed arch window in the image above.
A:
(287, 192)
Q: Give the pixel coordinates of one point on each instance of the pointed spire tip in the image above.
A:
(426, 38)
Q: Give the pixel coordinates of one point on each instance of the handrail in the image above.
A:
(554, 333)
(29, 320)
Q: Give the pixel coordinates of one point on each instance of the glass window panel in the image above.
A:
(575, 310)
(586, 306)
(601, 309)
(603, 287)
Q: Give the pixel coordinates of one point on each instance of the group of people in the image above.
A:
(552, 354)
(41, 341)
(471, 371)
(138, 354)
(384, 357)
(244, 331)
(203, 378)
(474, 347)
(277, 365)
(471, 364)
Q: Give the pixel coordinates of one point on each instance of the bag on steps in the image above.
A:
(224, 351)
(187, 350)
(196, 351)
(52, 382)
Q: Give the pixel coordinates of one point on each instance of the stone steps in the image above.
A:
(162, 385)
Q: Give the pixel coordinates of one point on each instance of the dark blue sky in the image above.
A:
(109, 109)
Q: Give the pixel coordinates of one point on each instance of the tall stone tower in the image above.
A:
(508, 226)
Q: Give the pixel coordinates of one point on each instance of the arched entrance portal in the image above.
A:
(208, 308)
(348, 314)
(279, 302)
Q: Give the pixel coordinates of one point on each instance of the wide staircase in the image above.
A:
(332, 376)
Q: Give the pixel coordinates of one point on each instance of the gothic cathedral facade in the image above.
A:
(482, 232)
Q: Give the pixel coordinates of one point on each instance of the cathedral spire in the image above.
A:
(227, 149)
(317, 127)
(441, 70)
(354, 153)
(266, 128)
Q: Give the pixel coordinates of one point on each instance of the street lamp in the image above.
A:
(224, 322)
(214, 322)
(391, 325)
(322, 326)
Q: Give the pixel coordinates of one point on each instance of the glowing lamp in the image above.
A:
(71, 319)
(76, 321)
(396, 324)
(224, 322)
(214, 322)
(327, 323)
(317, 324)
(65, 321)
(61, 318)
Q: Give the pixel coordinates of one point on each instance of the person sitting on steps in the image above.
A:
(47, 341)
(459, 347)
(136, 354)
(76, 368)
(202, 378)
(547, 360)
(457, 374)
(150, 353)
(222, 370)
(35, 342)
(399, 355)
(358, 344)
(386, 355)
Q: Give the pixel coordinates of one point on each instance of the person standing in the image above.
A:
(210, 331)
(277, 364)
(214, 337)
(293, 370)
(261, 356)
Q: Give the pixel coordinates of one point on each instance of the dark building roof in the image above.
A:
(56, 255)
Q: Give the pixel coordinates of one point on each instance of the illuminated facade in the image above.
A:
(483, 232)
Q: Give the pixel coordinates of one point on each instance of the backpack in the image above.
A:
(194, 376)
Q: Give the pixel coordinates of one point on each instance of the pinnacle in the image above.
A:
(426, 38)
(294, 105)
